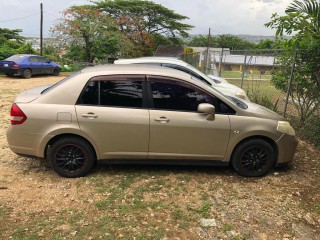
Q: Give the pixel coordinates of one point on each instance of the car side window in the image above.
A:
(176, 96)
(115, 93)
(33, 59)
(42, 59)
(121, 93)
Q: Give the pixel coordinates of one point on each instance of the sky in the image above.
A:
(222, 16)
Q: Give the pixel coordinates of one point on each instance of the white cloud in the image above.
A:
(231, 16)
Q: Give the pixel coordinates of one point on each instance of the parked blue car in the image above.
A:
(29, 65)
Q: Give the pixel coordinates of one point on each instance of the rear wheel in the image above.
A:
(71, 157)
(253, 158)
(55, 72)
(27, 73)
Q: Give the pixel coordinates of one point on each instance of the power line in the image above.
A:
(19, 18)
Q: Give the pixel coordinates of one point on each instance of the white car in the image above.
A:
(226, 88)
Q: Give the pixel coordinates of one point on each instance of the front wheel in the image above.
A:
(71, 157)
(55, 72)
(253, 158)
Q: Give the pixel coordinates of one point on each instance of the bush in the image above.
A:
(311, 130)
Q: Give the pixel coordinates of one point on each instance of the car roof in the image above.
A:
(151, 60)
(109, 69)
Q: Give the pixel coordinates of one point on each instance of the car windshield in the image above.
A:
(60, 82)
(15, 58)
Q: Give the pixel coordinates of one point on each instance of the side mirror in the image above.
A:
(207, 108)
(49, 61)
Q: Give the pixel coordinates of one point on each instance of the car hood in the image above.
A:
(30, 95)
(262, 112)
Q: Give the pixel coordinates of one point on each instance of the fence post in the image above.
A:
(243, 69)
(220, 62)
(290, 83)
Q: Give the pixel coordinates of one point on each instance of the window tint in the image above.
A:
(33, 59)
(42, 59)
(168, 95)
(90, 95)
(118, 93)
(121, 93)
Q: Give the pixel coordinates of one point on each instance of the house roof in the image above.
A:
(251, 60)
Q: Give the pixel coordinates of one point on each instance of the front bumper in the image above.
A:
(287, 146)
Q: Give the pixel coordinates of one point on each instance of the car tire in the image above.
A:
(253, 158)
(71, 157)
(27, 73)
(55, 72)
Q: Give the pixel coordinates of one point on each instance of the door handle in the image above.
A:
(89, 115)
(162, 119)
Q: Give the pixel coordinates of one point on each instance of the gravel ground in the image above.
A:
(153, 202)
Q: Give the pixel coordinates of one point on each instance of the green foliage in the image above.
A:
(90, 29)
(14, 35)
(303, 18)
(266, 44)
(222, 41)
(145, 24)
(311, 131)
(12, 43)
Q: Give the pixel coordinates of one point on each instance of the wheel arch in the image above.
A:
(267, 139)
(64, 135)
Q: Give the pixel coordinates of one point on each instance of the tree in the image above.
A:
(222, 41)
(202, 41)
(303, 19)
(90, 29)
(12, 34)
(233, 42)
(142, 22)
(12, 43)
(266, 44)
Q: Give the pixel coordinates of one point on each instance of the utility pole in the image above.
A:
(41, 29)
(208, 53)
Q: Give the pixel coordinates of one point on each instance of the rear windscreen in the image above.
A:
(15, 58)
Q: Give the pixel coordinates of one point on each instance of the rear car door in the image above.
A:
(34, 65)
(112, 111)
(46, 67)
(177, 130)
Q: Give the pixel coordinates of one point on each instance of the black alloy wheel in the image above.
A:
(71, 157)
(253, 158)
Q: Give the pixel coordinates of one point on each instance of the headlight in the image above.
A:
(286, 128)
(241, 94)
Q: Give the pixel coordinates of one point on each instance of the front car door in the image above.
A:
(112, 112)
(177, 130)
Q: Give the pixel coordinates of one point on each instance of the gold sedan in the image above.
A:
(133, 114)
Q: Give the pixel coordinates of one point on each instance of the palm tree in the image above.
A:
(302, 19)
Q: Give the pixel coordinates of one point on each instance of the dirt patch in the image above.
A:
(152, 202)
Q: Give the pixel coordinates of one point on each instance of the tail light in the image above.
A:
(16, 115)
(15, 66)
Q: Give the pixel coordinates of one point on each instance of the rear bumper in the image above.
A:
(10, 71)
(287, 146)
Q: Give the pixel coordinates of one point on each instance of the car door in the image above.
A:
(46, 67)
(112, 112)
(177, 130)
(34, 65)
